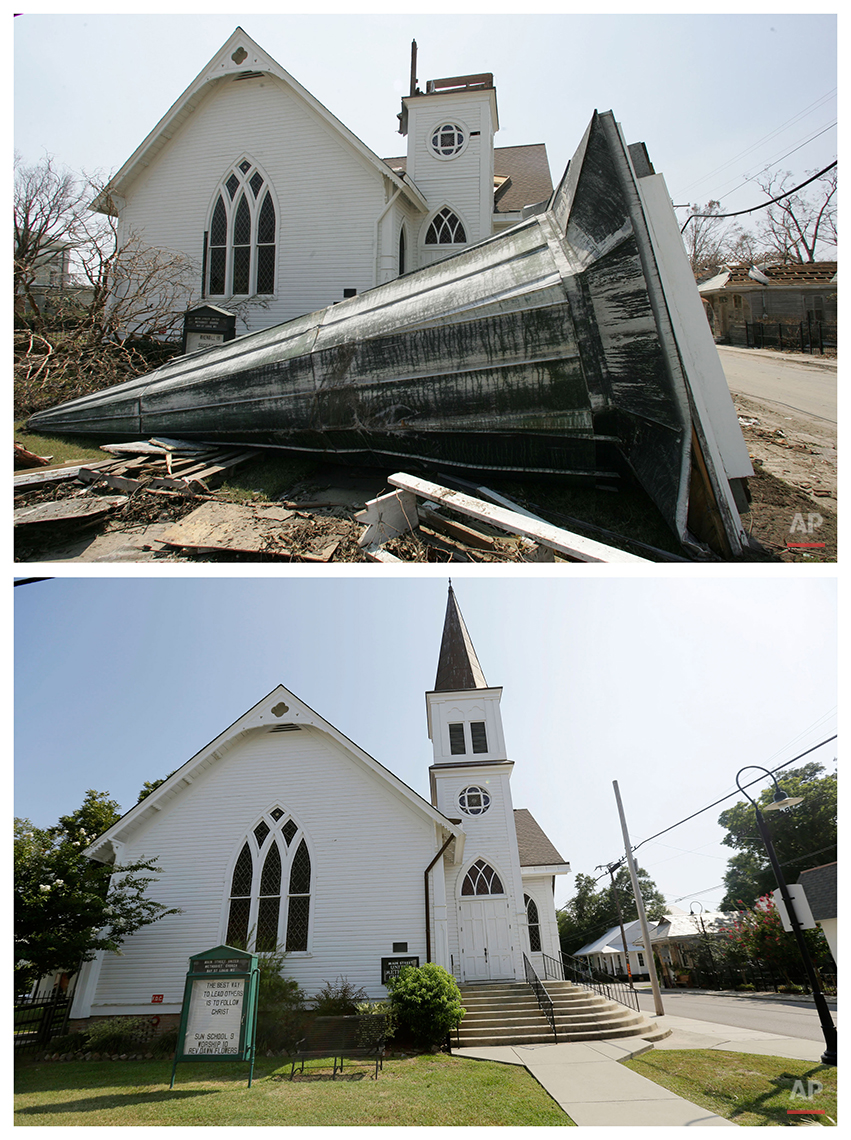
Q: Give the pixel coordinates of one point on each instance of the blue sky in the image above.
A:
(716, 98)
(667, 684)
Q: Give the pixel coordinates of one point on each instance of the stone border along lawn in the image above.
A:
(426, 1090)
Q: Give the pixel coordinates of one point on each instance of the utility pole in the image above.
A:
(639, 902)
(611, 868)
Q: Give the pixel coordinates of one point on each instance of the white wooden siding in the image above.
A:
(368, 850)
(328, 198)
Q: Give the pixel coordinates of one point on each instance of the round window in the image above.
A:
(448, 139)
(474, 800)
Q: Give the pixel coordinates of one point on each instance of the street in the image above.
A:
(783, 1016)
(806, 384)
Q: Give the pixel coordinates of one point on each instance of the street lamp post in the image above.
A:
(782, 800)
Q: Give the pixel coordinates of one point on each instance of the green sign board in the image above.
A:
(218, 1020)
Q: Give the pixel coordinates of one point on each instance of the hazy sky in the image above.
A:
(666, 684)
(716, 98)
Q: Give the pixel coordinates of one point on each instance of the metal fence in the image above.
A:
(574, 970)
(39, 1018)
(813, 337)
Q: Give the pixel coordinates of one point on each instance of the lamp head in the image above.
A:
(782, 800)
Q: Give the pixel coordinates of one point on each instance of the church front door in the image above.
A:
(486, 944)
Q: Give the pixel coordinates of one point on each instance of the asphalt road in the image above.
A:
(807, 384)
(784, 1016)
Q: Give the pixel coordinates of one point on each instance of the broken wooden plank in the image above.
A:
(64, 474)
(257, 529)
(386, 517)
(570, 545)
(452, 529)
(69, 510)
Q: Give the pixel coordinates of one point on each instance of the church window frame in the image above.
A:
(474, 800)
(270, 888)
(533, 923)
(448, 139)
(242, 235)
(446, 229)
(482, 881)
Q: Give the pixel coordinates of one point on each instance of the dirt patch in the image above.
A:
(793, 513)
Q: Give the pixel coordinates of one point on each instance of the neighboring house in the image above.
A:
(283, 833)
(788, 306)
(819, 885)
(286, 211)
(607, 953)
(676, 936)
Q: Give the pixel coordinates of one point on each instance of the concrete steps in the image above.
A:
(509, 1014)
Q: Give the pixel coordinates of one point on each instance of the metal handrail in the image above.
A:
(542, 996)
(581, 975)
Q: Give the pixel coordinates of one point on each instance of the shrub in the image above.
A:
(369, 1030)
(338, 999)
(118, 1035)
(427, 1002)
(165, 1043)
(281, 1013)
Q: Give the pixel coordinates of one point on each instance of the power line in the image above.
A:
(762, 205)
(777, 161)
(729, 795)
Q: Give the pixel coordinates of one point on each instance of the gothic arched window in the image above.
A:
(533, 923)
(482, 879)
(446, 229)
(262, 915)
(240, 243)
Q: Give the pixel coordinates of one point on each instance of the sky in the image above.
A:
(667, 684)
(716, 98)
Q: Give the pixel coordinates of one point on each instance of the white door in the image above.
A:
(486, 939)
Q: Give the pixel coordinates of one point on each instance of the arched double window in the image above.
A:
(269, 905)
(446, 228)
(482, 879)
(240, 244)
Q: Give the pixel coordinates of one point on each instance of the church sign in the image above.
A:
(219, 1014)
(207, 325)
(392, 967)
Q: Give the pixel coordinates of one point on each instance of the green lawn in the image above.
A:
(429, 1091)
(746, 1088)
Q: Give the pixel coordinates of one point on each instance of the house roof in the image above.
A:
(611, 942)
(238, 58)
(819, 885)
(279, 711)
(535, 848)
(521, 176)
(796, 275)
(679, 926)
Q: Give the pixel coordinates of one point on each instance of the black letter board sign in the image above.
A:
(390, 967)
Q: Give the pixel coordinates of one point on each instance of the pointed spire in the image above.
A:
(457, 667)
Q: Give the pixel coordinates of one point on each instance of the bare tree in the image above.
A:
(802, 226)
(708, 238)
(114, 303)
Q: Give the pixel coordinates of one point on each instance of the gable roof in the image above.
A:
(279, 711)
(819, 885)
(238, 58)
(533, 845)
(611, 942)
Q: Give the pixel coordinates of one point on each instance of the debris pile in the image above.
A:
(156, 499)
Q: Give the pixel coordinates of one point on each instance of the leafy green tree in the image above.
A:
(803, 836)
(757, 935)
(591, 912)
(68, 907)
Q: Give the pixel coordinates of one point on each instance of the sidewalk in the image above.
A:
(585, 1079)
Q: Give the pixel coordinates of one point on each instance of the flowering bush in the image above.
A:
(758, 935)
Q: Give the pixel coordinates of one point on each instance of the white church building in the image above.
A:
(282, 208)
(282, 833)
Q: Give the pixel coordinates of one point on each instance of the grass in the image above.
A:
(427, 1091)
(748, 1089)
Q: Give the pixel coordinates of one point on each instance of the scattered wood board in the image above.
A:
(262, 529)
(83, 509)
